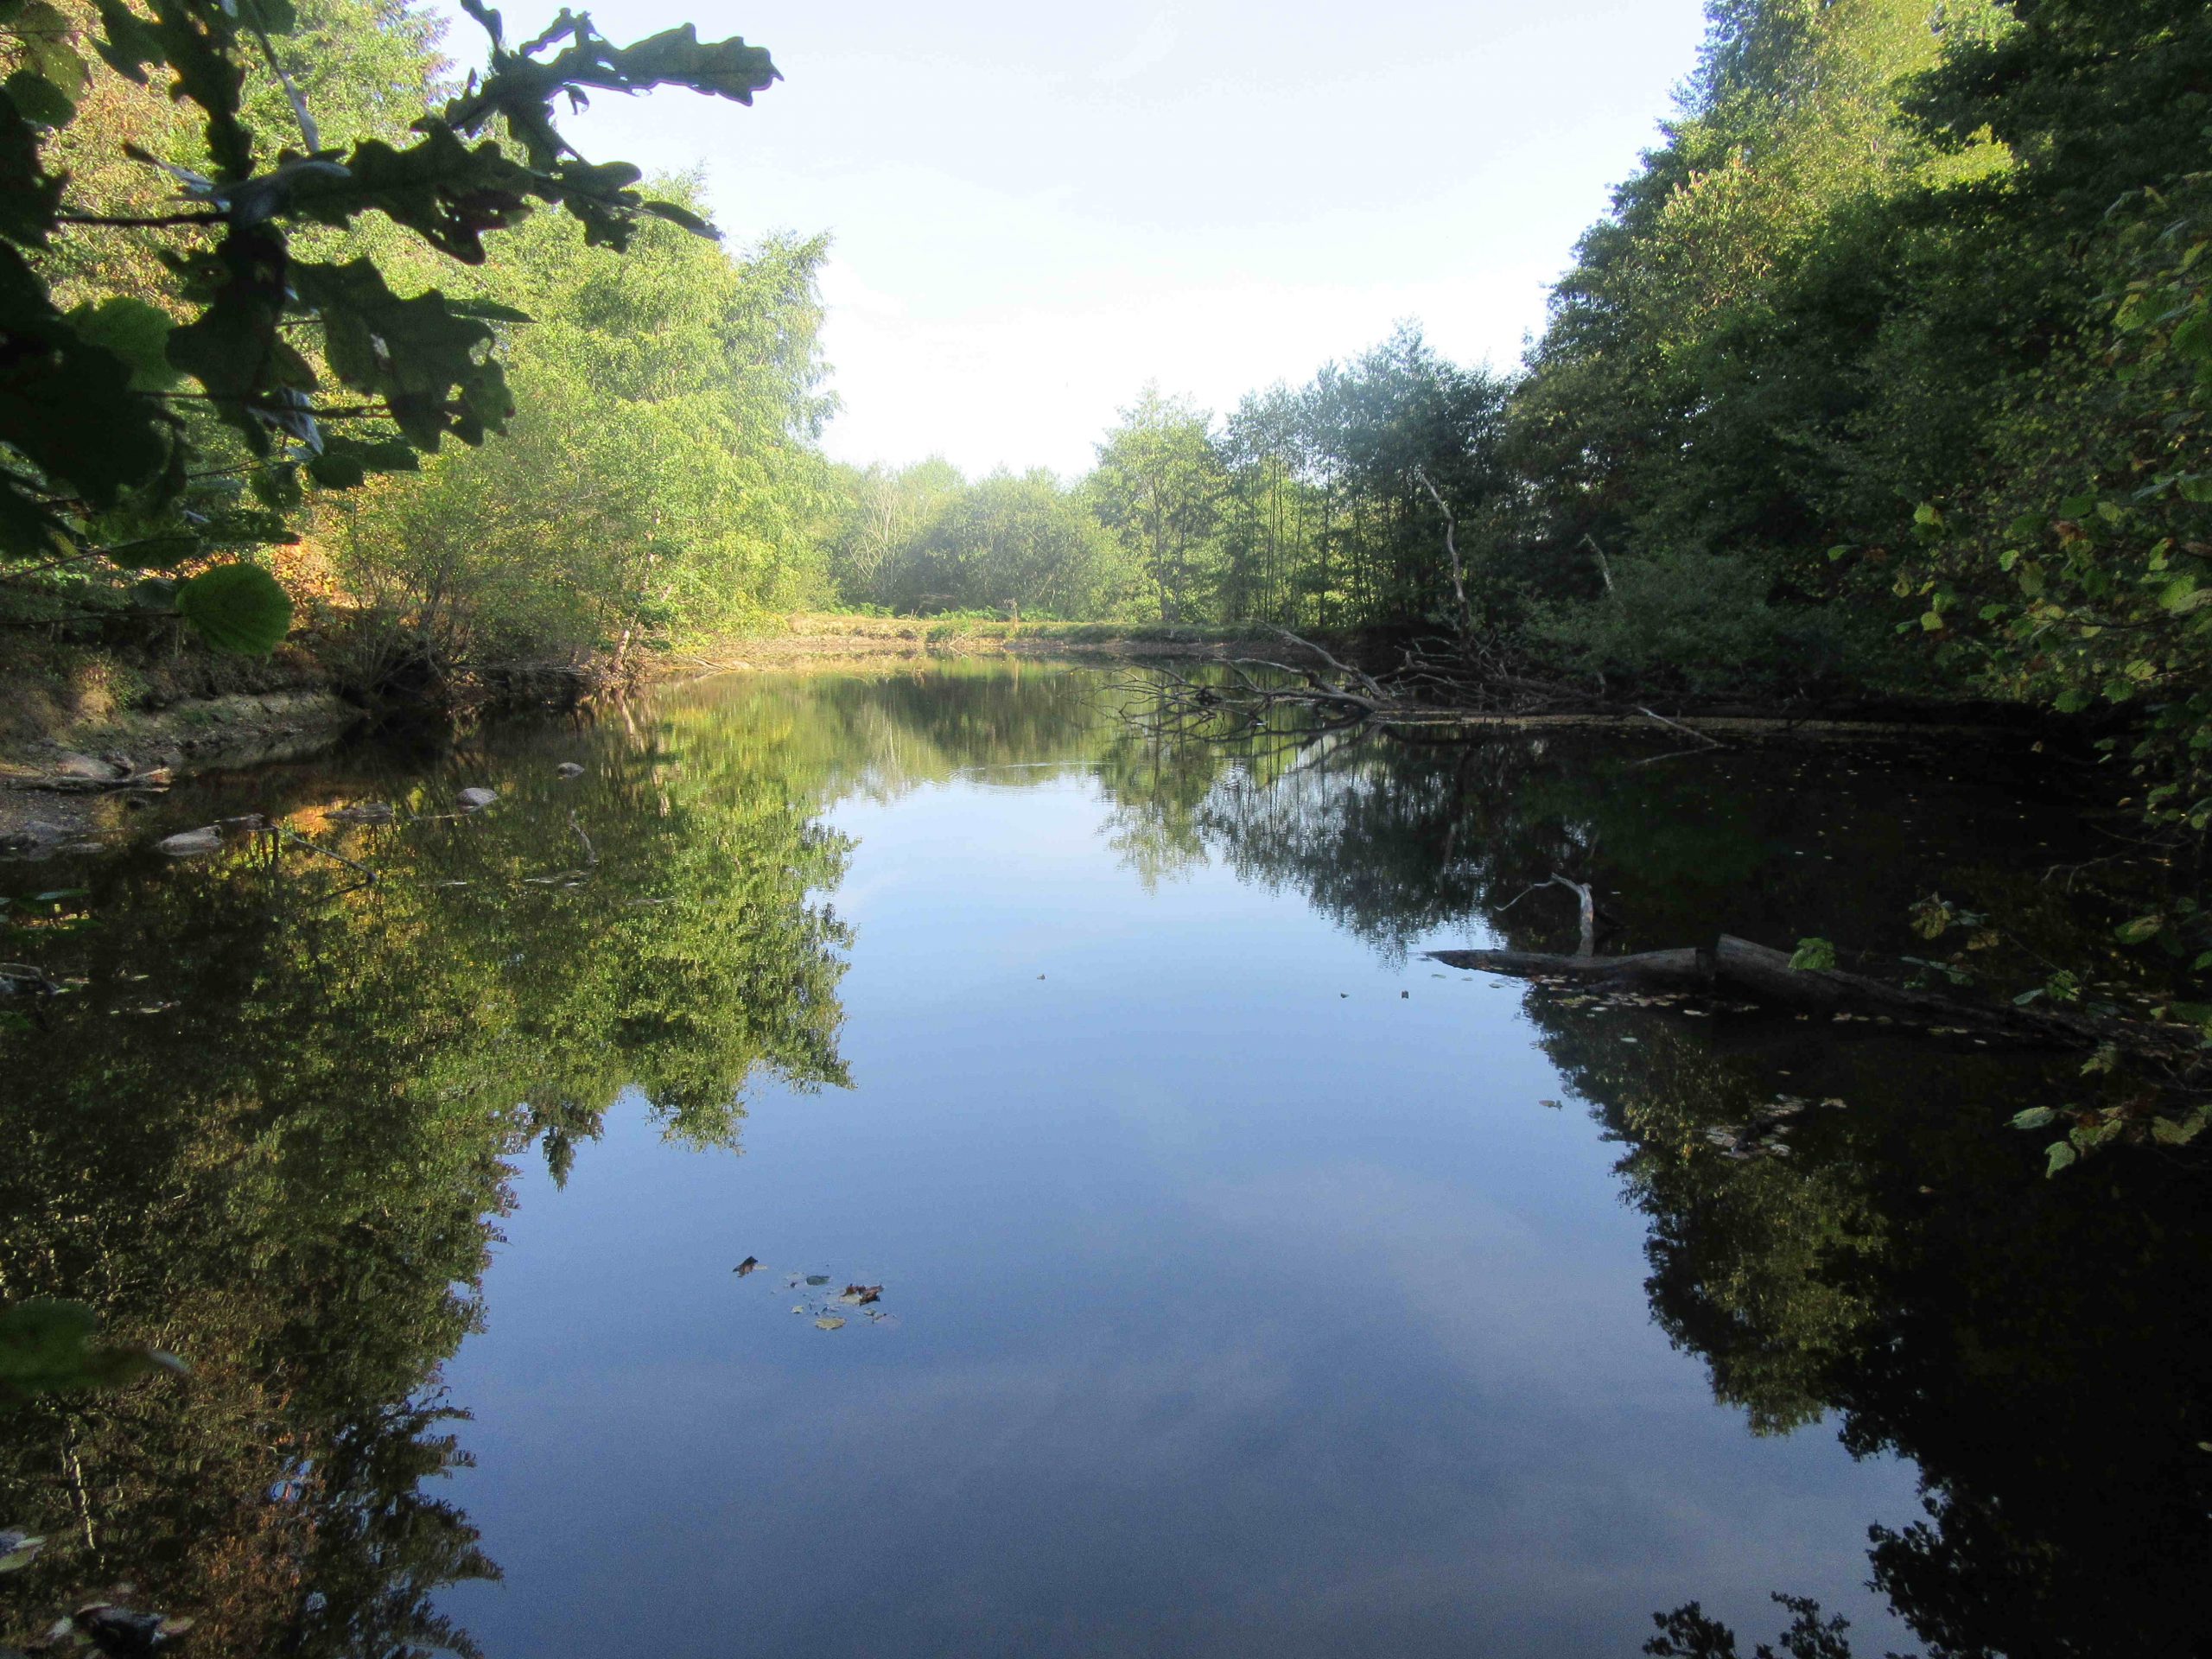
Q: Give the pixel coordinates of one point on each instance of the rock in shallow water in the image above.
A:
(206, 839)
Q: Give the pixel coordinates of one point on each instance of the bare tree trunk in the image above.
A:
(1452, 546)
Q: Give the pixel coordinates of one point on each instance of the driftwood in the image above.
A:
(1765, 975)
(62, 783)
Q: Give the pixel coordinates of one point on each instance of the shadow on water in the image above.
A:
(275, 1128)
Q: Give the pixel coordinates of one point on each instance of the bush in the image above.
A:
(1701, 623)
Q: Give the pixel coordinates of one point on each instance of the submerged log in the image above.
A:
(1765, 975)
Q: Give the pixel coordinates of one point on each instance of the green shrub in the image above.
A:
(1704, 624)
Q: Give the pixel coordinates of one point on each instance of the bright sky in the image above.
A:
(1038, 208)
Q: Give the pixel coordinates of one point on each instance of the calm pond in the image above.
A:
(1249, 1283)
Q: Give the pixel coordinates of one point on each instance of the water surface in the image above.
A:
(1250, 1284)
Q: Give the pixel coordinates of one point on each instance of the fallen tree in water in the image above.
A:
(1766, 975)
(1456, 691)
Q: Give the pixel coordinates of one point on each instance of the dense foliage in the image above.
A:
(1320, 507)
(226, 330)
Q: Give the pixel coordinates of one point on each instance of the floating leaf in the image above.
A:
(830, 1322)
(745, 1266)
(18, 1549)
(47, 1345)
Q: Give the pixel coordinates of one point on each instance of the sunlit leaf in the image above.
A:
(236, 608)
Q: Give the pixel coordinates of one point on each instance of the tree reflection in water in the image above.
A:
(2035, 1347)
(275, 1130)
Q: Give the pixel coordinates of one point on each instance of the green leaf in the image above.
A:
(127, 43)
(337, 472)
(1813, 956)
(135, 332)
(2178, 1132)
(39, 98)
(425, 359)
(439, 187)
(18, 1549)
(47, 38)
(232, 347)
(2035, 1117)
(677, 57)
(2060, 1155)
(1932, 621)
(375, 455)
(65, 403)
(46, 1345)
(684, 217)
(2140, 929)
(237, 608)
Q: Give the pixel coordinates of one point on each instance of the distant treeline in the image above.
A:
(1887, 368)
(1305, 506)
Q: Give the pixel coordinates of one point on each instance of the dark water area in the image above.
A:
(1249, 1283)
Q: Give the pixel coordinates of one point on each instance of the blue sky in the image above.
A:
(1037, 209)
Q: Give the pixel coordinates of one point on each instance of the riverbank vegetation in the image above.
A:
(1886, 375)
(1883, 375)
(276, 273)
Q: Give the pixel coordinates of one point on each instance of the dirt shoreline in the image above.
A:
(827, 641)
(194, 735)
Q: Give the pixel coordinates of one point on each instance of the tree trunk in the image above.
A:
(1765, 975)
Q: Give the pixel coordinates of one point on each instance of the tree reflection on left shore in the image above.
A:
(273, 1132)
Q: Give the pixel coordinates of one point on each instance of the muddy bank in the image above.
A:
(828, 641)
(78, 781)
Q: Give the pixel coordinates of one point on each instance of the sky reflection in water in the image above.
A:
(1243, 1305)
(1244, 1293)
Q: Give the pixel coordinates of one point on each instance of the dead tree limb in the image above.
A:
(1765, 975)
(1604, 565)
(283, 832)
(1676, 726)
(1374, 687)
(1450, 546)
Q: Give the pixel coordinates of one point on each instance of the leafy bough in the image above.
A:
(145, 433)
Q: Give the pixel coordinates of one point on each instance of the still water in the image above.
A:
(1248, 1284)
